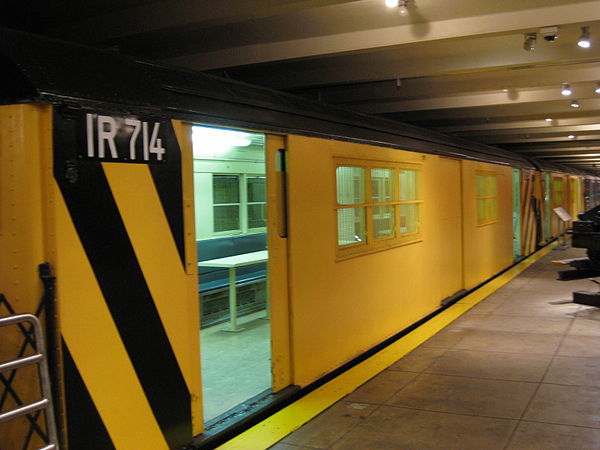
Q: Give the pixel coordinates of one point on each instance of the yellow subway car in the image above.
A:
(198, 251)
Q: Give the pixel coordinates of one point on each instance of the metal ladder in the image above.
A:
(40, 359)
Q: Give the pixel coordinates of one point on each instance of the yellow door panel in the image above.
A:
(448, 219)
(278, 277)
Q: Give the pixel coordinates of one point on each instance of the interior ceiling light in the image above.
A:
(575, 104)
(565, 89)
(548, 119)
(530, 40)
(571, 136)
(598, 87)
(584, 39)
(392, 3)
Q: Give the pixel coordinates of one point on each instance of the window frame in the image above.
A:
(242, 205)
(487, 220)
(249, 203)
(372, 243)
(553, 192)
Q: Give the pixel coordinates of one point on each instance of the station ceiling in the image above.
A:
(458, 67)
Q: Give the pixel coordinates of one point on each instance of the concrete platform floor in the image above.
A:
(521, 370)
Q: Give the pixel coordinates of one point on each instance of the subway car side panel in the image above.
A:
(342, 307)
(126, 294)
(487, 240)
(25, 242)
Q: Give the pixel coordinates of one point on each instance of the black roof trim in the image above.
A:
(50, 70)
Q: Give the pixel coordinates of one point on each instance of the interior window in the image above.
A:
(256, 202)
(226, 202)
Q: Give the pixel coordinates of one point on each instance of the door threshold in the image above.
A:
(242, 417)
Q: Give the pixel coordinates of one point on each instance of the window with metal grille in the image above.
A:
(239, 203)
(486, 197)
(256, 202)
(378, 205)
(558, 191)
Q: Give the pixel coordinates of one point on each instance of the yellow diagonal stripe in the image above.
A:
(282, 423)
(173, 290)
(92, 337)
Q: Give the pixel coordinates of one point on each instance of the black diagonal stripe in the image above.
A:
(86, 429)
(104, 238)
(167, 179)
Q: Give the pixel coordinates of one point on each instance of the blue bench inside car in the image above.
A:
(211, 278)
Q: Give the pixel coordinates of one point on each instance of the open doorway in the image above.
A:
(231, 239)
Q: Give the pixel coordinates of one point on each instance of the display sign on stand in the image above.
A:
(564, 217)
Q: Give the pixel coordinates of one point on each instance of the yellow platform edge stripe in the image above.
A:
(276, 427)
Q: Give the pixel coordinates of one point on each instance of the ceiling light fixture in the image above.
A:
(565, 89)
(584, 39)
(548, 119)
(530, 40)
(575, 104)
(402, 7)
(550, 34)
(598, 87)
(571, 136)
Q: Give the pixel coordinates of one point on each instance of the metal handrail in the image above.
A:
(40, 359)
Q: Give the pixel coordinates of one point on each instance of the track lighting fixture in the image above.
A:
(530, 40)
(584, 39)
(565, 89)
(402, 6)
(575, 104)
(550, 34)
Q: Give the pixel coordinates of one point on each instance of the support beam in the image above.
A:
(478, 99)
(580, 145)
(570, 162)
(380, 38)
(576, 156)
(550, 154)
(546, 130)
(513, 77)
(523, 124)
(502, 139)
(513, 110)
(164, 15)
